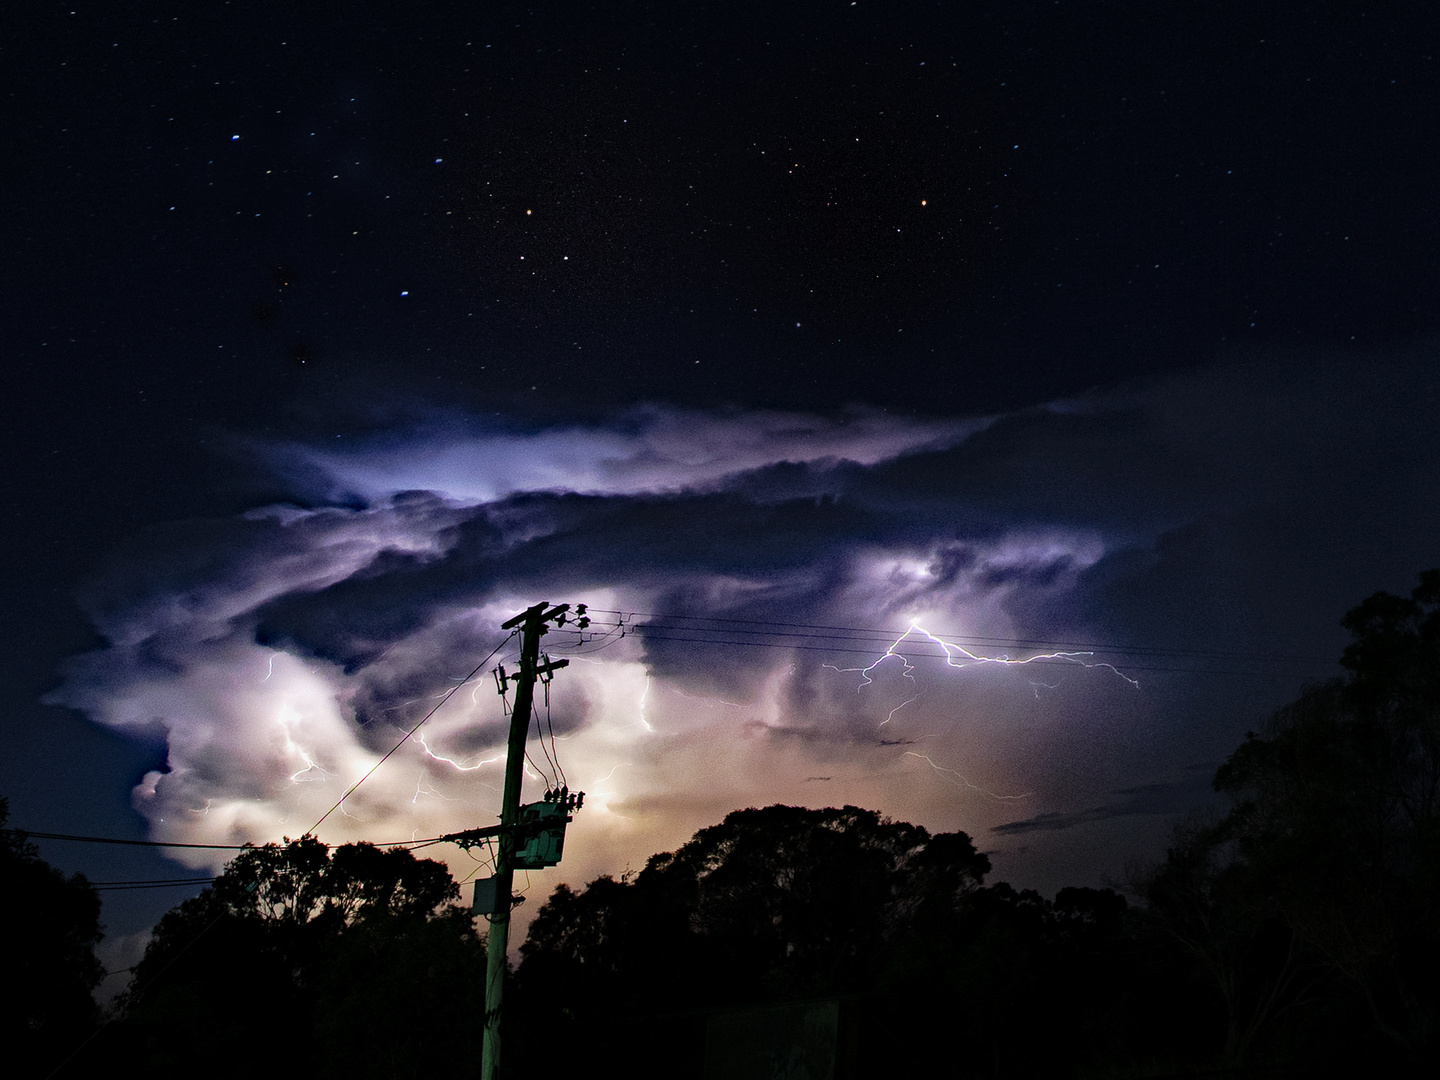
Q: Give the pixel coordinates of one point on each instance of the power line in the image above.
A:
(813, 632)
(27, 833)
(554, 750)
(117, 840)
(922, 655)
(449, 694)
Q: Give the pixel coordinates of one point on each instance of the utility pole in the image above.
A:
(532, 625)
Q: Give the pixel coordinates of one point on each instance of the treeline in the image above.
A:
(1296, 935)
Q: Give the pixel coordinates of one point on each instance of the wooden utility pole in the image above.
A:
(532, 625)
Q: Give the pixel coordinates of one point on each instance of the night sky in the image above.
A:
(338, 334)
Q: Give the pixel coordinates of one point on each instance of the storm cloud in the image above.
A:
(985, 623)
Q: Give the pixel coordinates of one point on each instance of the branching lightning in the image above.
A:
(422, 788)
(420, 738)
(958, 656)
(865, 679)
(286, 720)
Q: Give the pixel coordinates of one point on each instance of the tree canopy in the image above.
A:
(786, 903)
(339, 961)
(1321, 885)
(777, 896)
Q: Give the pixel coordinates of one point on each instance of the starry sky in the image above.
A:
(981, 412)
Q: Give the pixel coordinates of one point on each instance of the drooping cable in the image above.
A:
(23, 833)
(550, 730)
(552, 780)
(448, 695)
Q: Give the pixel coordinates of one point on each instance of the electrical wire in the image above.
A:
(1058, 661)
(27, 833)
(553, 780)
(826, 632)
(923, 648)
(117, 840)
(555, 750)
(538, 771)
(406, 738)
(584, 638)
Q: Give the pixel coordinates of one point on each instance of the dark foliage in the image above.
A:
(52, 925)
(336, 964)
(787, 904)
(1311, 911)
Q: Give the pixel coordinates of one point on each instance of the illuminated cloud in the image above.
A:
(1113, 542)
(651, 448)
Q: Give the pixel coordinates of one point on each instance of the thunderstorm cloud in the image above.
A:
(1024, 626)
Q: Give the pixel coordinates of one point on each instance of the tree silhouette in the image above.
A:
(932, 969)
(1338, 815)
(771, 905)
(52, 925)
(1317, 897)
(780, 900)
(336, 962)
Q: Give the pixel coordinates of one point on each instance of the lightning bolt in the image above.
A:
(612, 772)
(959, 780)
(888, 654)
(422, 788)
(644, 694)
(420, 738)
(951, 650)
(286, 720)
(711, 702)
(897, 708)
(958, 656)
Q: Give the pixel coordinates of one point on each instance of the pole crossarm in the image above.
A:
(468, 838)
(522, 830)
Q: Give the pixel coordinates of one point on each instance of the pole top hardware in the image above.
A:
(530, 612)
(543, 613)
(582, 621)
